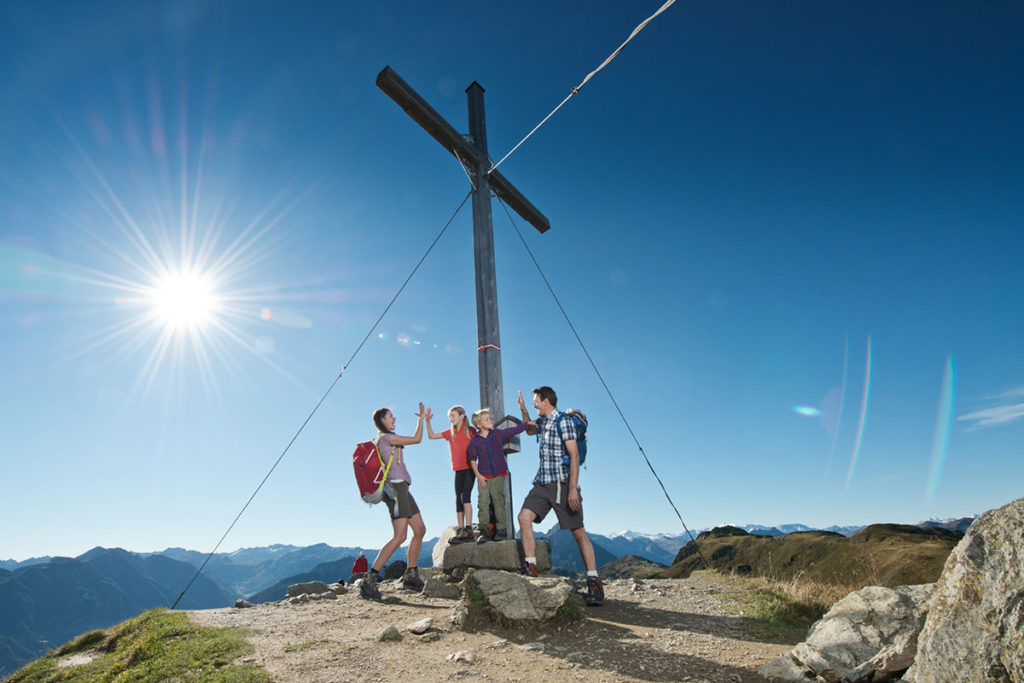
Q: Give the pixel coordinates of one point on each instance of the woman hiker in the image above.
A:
(405, 514)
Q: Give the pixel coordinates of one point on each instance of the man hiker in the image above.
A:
(556, 485)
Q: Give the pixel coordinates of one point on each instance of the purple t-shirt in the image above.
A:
(397, 471)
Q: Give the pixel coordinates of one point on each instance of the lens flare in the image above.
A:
(865, 397)
(842, 400)
(943, 424)
(806, 411)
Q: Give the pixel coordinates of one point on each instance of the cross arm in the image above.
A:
(427, 117)
(520, 204)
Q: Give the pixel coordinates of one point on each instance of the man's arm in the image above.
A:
(573, 497)
(532, 428)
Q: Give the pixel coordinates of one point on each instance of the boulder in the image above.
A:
(389, 634)
(491, 596)
(309, 588)
(395, 570)
(439, 588)
(975, 627)
(420, 627)
(871, 634)
(242, 604)
(504, 555)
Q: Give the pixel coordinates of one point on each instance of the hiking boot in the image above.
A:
(461, 536)
(594, 596)
(368, 588)
(530, 569)
(412, 579)
(486, 534)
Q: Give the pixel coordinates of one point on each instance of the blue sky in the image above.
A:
(751, 198)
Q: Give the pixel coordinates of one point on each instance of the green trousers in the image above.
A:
(494, 495)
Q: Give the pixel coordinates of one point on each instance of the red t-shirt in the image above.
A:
(458, 447)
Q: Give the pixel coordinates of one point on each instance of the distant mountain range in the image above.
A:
(328, 572)
(45, 601)
(11, 565)
(44, 605)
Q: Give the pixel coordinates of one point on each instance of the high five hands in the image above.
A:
(531, 424)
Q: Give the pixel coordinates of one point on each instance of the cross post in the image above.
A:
(472, 153)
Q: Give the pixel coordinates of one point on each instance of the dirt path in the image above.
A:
(664, 630)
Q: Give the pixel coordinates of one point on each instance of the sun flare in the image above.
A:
(184, 300)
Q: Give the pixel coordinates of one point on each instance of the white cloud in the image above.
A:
(1011, 394)
(992, 417)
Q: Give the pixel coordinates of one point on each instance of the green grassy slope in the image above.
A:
(881, 554)
(157, 645)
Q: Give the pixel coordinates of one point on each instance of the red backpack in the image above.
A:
(371, 472)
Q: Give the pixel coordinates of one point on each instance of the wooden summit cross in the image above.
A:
(472, 153)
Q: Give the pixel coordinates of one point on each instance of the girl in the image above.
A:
(405, 514)
(458, 438)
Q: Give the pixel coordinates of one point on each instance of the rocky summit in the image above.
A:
(969, 626)
(975, 626)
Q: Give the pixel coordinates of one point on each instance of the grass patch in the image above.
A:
(569, 612)
(304, 645)
(782, 610)
(157, 645)
(474, 596)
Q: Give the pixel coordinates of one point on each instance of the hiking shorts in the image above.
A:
(403, 504)
(544, 497)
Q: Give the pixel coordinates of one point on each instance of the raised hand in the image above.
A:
(428, 415)
(421, 412)
(522, 403)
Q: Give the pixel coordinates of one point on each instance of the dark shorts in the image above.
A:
(542, 497)
(404, 505)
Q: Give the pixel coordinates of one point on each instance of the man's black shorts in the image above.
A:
(544, 497)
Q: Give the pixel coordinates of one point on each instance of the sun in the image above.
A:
(184, 300)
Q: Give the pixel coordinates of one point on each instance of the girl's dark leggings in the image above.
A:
(464, 481)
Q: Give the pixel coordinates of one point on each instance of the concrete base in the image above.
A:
(505, 555)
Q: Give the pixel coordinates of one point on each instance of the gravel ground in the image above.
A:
(661, 630)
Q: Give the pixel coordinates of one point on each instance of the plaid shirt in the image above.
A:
(551, 448)
(488, 453)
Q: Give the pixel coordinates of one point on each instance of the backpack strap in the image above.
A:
(558, 425)
(387, 467)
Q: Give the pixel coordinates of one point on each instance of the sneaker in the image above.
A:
(530, 569)
(412, 579)
(368, 587)
(595, 592)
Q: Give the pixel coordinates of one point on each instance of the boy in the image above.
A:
(487, 458)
